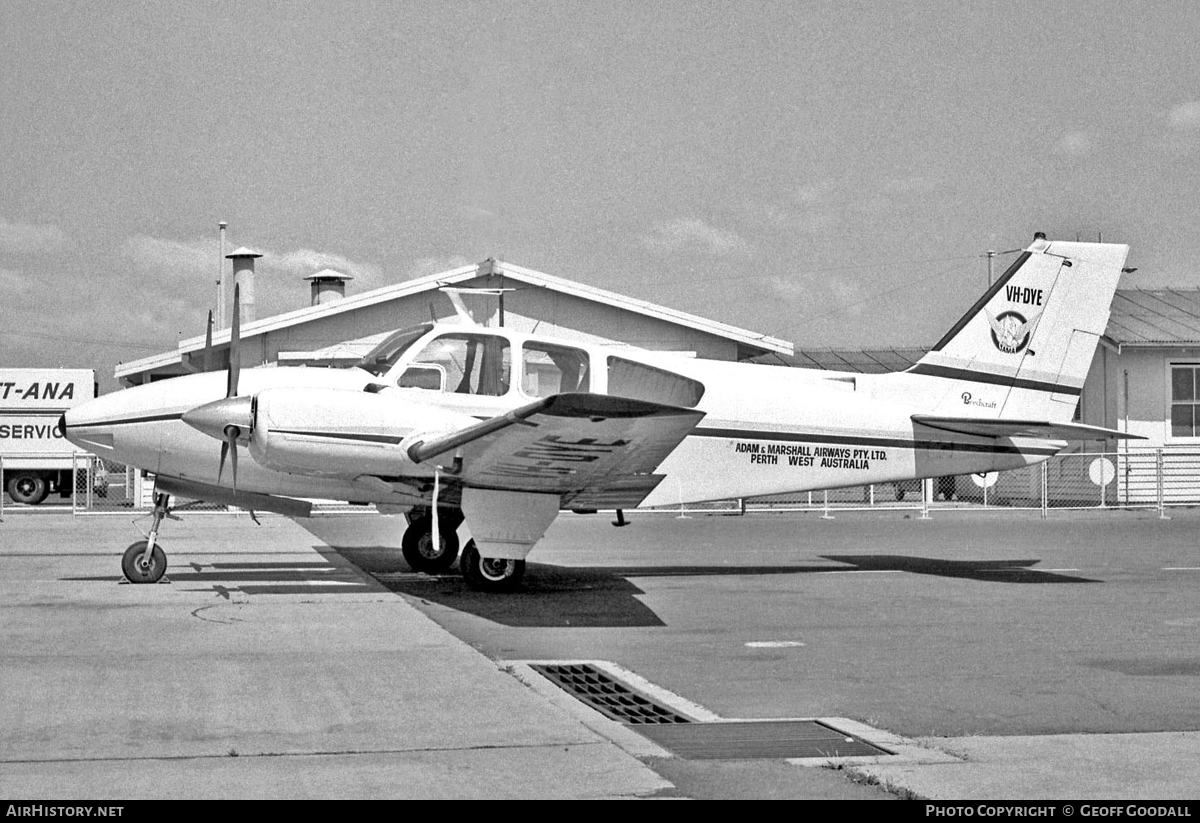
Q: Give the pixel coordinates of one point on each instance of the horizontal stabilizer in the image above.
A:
(587, 446)
(1039, 429)
(252, 501)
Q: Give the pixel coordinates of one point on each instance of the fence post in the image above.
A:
(74, 483)
(827, 515)
(926, 486)
(1045, 489)
(1158, 457)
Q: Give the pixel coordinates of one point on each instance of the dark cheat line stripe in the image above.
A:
(366, 438)
(993, 379)
(879, 442)
(122, 421)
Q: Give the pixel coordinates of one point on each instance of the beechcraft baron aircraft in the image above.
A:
(448, 422)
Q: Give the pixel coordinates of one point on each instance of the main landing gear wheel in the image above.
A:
(30, 489)
(489, 574)
(137, 569)
(419, 551)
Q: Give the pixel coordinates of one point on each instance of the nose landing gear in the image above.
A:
(145, 561)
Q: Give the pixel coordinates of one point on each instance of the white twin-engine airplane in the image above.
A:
(451, 422)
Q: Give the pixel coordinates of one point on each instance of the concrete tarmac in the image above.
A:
(270, 667)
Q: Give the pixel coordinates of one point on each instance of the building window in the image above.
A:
(552, 369)
(1185, 419)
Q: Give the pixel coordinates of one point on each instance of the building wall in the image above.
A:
(527, 308)
(1130, 391)
(556, 313)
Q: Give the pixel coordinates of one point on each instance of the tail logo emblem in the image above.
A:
(1011, 331)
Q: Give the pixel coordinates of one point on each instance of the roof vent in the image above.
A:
(243, 280)
(327, 286)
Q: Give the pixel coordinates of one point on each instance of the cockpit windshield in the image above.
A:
(381, 358)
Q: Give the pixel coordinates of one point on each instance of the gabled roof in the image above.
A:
(1155, 317)
(449, 278)
(860, 361)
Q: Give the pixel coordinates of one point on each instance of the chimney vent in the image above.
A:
(327, 286)
(243, 275)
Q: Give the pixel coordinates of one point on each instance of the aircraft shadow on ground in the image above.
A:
(605, 597)
(990, 571)
(261, 577)
(595, 596)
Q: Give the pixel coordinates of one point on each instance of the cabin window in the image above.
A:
(462, 364)
(427, 376)
(380, 359)
(550, 369)
(641, 382)
(1185, 419)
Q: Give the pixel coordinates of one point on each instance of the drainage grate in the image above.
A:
(695, 740)
(610, 697)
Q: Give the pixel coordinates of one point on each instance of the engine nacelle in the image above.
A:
(341, 433)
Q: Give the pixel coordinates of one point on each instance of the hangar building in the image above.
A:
(338, 330)
(1144, 379)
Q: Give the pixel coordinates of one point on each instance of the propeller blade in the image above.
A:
(232, 434)
(208, 360)
(235, 337)
(229, 449)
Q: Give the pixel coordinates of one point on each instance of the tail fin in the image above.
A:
(1024, 349)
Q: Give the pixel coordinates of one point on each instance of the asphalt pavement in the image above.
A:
(271, 667)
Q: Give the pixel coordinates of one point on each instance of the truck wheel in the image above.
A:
(28, 488)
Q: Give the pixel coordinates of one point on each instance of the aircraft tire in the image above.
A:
(29, 488)
(486, 574)
(417, 546)
(137, 572)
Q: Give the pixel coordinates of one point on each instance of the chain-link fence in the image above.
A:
(1134, 478)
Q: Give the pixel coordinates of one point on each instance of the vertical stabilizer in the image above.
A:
(1024, 349)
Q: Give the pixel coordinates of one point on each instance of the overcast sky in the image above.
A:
(831, 173)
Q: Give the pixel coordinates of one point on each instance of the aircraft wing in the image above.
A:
(595, 450)
(1040, 429)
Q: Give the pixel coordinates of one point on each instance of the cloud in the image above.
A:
(1074, 144)
(1185, 117)
(695, 235)
(189, 259)
(303, 262)
(28, 238)
(174, 259)
(844, 296)
(424, 266)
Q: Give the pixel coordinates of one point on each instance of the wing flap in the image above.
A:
(582, 446)
(1038, 429)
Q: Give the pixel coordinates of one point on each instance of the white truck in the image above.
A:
(34, 456)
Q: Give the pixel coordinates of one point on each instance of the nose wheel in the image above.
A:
(145, 561)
